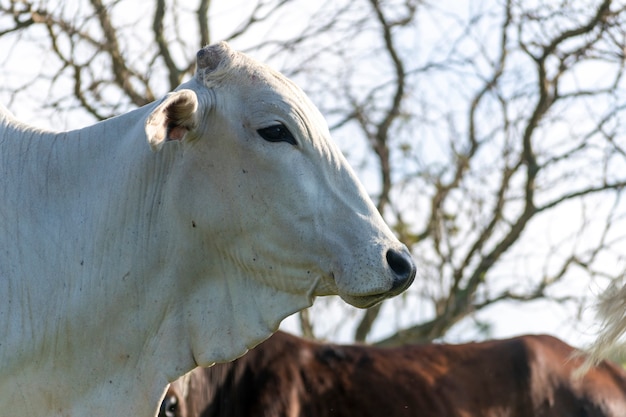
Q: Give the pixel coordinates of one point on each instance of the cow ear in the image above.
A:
(173, 119)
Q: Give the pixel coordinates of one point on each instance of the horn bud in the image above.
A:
(209, 57)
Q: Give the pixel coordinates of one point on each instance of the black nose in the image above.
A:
(403, 267)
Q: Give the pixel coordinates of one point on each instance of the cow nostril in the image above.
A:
(402, 265)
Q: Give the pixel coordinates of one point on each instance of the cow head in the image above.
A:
(271, 212)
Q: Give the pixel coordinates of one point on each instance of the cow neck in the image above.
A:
(80, 181)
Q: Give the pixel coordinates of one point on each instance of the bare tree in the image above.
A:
(522, 87)
(490, 135)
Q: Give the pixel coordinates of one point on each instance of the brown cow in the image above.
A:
(286, 376)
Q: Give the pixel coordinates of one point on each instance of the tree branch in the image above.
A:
(174, 74)
(122, 75)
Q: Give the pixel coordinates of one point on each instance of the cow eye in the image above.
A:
(277, 133)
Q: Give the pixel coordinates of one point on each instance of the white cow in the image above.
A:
(179, 234)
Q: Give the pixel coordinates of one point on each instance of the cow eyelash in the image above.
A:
(277, 133)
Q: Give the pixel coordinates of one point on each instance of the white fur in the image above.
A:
(131, 250)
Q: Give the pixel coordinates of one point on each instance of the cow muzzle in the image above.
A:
(400, 271)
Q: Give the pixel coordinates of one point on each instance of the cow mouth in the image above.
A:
(365, 301)
(370, 300)
(327, 285)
